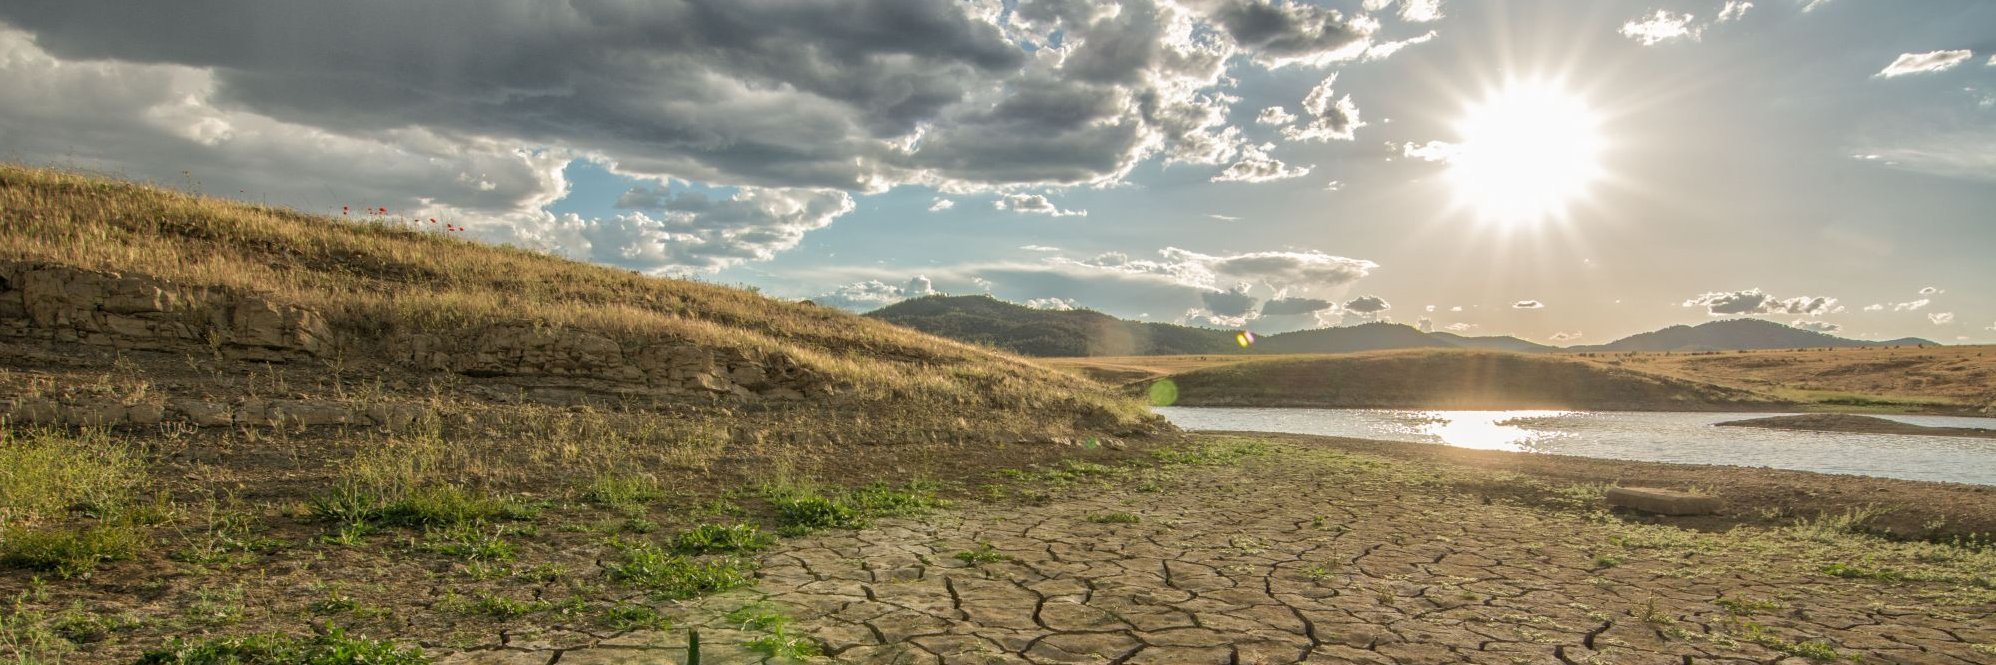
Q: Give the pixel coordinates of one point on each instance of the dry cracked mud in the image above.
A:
(1310, 555)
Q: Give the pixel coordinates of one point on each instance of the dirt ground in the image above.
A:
(1299, 549)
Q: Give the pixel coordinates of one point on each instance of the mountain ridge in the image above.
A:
(983, 319)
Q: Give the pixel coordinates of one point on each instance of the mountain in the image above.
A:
(982, 319)
(1736, 334)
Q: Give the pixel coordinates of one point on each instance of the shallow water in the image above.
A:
(1679, 437)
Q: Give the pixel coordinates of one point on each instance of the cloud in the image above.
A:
(1420, 11)
(1328, 117)
(1039, 248)
(1460, 328)
(1281, 32)
(1931, 291)
(1384, 50)
(1818, 326)
(1941, 318)
(1874, 307)
(941, 204)
(1256, 165)
(1053, 304)
(1432, 151)
(1911, 305)
(1367, 305)
(684, 232)
(1565, 336)
(1275, 270)
(1660, 27)
(1232, 304)
(1924, 63)
(873, 294)
(1295, 306)
(1528, 304)
(1754, 301)
(1223, 218)
(1275, 115)
(1034, 204)
(1733, 10)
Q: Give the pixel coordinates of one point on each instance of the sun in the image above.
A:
(1527, 152)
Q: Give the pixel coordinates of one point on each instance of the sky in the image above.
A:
(1567, 172)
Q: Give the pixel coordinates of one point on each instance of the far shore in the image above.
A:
(1840, 422)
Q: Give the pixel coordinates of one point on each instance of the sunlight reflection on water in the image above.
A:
(1488, 430)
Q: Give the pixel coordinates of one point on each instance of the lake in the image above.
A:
(1681, 437)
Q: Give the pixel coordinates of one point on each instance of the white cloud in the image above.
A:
(1565, 336)
(1941, 318)
(1931, 291)
(1384, 50)
(1256, 165)
(1661, 27)
(1420, 11)
(1460, 327)
(1425, 324)
(1329, 117)
(1733, 10)
(1223, 218)
(1924, 63)
(1275, 115)
(1911, 305)
(1754, 301)
(1033, 204)
(1874, 307)
(1054, 304)
(941, 204)
(686, 232)
(873, 294)
(1528, 304)
(1432, 151)
(1039, 248)
(1818, 326)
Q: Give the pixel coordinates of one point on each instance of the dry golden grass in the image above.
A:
(373, 279)
(1947, 378)
(1962, 377)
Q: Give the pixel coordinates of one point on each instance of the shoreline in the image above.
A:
(1757, 496)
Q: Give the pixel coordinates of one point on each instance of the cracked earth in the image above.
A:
(1316, 556)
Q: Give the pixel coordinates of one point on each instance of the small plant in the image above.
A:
(776, 642)
(1115, 518)
(467, 541)
(713, 538)
(1820, 650)
(983, 554)
(632, 616)
(332, 648)
(70, 553)
(1607, 561)
(1746, 606)
(623, 490)
(672, 576)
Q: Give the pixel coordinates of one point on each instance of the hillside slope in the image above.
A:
(1441, 379)
(982, 319)
(182, 293)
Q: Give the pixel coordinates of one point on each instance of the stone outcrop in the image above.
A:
(205, 413)
(663, 366)
(64, 304)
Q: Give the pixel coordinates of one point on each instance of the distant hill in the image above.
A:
(982, 319)
(1442, 379)
(1736, 334)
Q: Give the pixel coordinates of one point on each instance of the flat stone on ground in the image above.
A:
(1662, 501)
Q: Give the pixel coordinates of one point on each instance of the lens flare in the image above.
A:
(1244, 338)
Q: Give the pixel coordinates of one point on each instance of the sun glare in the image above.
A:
(1527, 151)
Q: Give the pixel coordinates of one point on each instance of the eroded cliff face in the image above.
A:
(69, 311)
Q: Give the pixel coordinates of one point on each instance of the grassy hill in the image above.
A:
(985, 320)
(220, 420)
(1442, 379)
(1738, 334)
